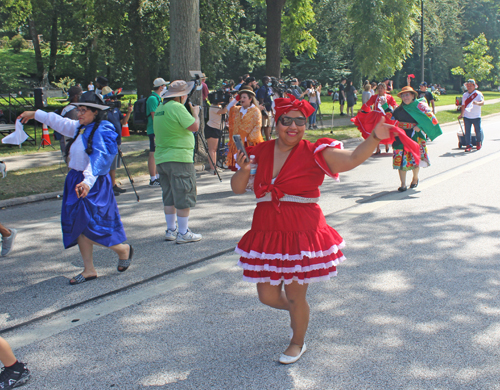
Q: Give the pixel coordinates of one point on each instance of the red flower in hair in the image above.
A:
(285, 105)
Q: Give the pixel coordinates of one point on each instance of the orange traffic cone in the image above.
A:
(45, 136)
(125, 130)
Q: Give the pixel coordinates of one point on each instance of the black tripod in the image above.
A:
(128, 173)
(221, 146)
(204, 142)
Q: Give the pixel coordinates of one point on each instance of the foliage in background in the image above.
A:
(477, 63)
(128, 40)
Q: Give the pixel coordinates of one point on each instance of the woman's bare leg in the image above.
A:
(402, 177)
(212, 150)
(299, 316)
(272, 296)
(6, 355)
(86, 248)
(415, 175)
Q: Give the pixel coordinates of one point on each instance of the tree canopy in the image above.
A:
(129, 41)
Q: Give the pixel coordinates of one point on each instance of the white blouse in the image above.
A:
(78, 158)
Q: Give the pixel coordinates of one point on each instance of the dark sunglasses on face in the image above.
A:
(287, 121)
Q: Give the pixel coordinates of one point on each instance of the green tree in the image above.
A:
(477, 63)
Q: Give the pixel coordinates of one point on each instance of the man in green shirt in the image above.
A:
(173, 127)
(152, 103)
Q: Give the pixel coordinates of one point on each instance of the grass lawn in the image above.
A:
(51, 178)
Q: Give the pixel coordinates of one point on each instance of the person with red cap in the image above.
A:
(290, 244)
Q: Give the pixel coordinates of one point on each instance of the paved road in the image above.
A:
(415, 306)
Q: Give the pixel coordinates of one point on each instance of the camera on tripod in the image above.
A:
(112, 103)
(219, 96)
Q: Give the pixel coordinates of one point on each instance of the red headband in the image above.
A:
(284, 105)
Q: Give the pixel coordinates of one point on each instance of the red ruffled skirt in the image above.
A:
(294, 245)
(366, 122)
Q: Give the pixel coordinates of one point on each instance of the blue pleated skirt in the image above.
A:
(96, 216)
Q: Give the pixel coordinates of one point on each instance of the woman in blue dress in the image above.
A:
(89, 214)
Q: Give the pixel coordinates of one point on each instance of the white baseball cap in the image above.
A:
(159, 82)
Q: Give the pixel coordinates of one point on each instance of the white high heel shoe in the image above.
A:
(285, 359)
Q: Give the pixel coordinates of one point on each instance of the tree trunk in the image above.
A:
(185, 45)
(36, 46)
(184, 38)
(273, 37)
(53, 46)
(92, 59)
(142, 55)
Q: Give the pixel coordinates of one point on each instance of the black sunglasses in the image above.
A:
(287, 121)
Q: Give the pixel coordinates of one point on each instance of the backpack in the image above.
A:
(140, 114)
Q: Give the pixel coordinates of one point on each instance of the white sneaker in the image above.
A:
(171, 235)
(7, 242)
(188, 237)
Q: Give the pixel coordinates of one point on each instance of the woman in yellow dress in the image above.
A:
(245, 120)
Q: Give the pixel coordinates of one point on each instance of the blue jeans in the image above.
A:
(312, 118)
(477, 129)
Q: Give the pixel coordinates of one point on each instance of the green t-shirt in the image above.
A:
(151, 105)
(173, 141)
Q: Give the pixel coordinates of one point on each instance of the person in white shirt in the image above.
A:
(90, 87)
(472, 100)
(89, 214)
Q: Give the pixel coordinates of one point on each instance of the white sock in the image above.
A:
(153, 178)
(157, 176)
(183, 224)
(170, 218)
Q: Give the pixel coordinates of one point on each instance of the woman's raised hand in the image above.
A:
(382, 130)
(242, 160)
(26, 116)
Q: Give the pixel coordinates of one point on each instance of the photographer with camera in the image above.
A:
(295, 88)
(69, 111)
(313, 91)
(213, 127)
(159, 85)
(118, 119)
(264, 94)
(173, 129)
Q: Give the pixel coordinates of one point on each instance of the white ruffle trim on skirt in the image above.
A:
(289, 281)
(286, 256)
(296, 268)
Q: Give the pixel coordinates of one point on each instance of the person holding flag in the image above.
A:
(416, 118)
(472, 100)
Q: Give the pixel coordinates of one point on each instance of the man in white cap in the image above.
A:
(152, 103)
(174, 126)
(472, 100)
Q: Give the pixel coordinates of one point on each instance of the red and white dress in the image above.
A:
(290, 239)
(366, 118)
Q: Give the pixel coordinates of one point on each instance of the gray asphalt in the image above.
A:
(415, 305)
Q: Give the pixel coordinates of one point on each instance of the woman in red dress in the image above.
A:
(290, 245)
(382, 104)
